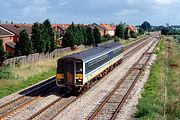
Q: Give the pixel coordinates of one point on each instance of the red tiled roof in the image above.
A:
(4, 32)
(97, 26)
(17, 28)
(108, 27)
(132, 28)
(62, 26)
(11, 44)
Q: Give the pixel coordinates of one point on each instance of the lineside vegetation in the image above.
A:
(152, 105)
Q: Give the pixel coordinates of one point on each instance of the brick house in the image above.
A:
(109, 29)
(132, 28)
(10, 33)
(101, 29)
(59, 29)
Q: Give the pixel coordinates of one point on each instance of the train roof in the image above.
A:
(94, 52)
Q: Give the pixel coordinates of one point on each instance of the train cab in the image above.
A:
(69, 73)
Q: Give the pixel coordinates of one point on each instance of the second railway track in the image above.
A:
(112, 103)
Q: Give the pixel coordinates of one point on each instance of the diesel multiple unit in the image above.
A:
(77, 70)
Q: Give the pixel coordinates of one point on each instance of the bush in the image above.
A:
(103, 39)
(108, 37)
(2, 52)
(5, 73)
(133, 34)
(116, 39)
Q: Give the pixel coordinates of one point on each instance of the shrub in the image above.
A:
(116, 39)
(133, 34)
(5, 73)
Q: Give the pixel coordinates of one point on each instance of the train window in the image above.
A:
(60, 66)
(96, 63)
(79, 67)
(116, 52)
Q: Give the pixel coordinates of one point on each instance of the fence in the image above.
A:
(32, 58)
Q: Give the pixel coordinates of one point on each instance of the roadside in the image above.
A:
(156, 103)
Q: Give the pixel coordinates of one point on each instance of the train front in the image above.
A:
(70, 74)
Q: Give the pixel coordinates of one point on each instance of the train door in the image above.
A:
(70, 72)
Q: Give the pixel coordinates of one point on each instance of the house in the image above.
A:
(109, 29)
(101, 29)
(132, 28)
(10, 33)
(60, 28)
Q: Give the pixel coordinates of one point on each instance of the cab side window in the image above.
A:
(79, 67)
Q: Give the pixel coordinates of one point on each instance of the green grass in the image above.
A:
(151, 104)
(130, 40)
(18, 85)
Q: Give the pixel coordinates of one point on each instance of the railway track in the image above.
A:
(112, 103)
(37, 92)
(54, 108)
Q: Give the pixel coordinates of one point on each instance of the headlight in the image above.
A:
(79, 81)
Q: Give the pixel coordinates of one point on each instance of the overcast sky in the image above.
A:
(157, 12)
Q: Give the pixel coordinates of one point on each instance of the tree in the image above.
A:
(116, 39)
(119, 32)
(97, 36)
(90, 36)
(133, 34)
(146, 26)
(2, 52)
(141, 31)
(85, 36)
(35, 38)
(80, 34)
(24, 45)
(165, 31)
(126, 33)
(69, 37)
(49, 36)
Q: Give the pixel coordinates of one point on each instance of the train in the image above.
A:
(77, 71)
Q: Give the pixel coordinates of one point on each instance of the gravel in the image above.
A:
(82, 107)
(28, 111)
(129, 108)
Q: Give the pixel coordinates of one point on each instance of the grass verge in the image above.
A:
(151, 105)
(12, 86)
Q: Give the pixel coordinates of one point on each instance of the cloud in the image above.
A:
(165, 2)
(63, 3)
(127, 12)
(34, 10)
(86, 11)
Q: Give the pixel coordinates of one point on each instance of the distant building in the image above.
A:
(60, 27)
(132, 28)
(10, 33)
(59, 30)
(100, 28)
(109, 29)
